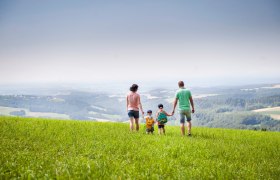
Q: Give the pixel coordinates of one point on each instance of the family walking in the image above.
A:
(182, 95)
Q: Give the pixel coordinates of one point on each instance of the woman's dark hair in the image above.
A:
(134, 88)
(160, 106)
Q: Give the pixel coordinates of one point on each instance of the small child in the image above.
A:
(161, 118)
(149, 122)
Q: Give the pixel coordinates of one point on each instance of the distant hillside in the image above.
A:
(55, 149)
(227, 107)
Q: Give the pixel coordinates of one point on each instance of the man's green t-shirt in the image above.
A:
(183, 95)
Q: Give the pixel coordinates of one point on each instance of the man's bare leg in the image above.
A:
(183, 129)
(189, 124)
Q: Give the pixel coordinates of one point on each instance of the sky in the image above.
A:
(205, 41)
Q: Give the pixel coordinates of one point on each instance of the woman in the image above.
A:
(133, 104)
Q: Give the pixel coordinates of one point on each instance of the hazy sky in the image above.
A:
(88, 41)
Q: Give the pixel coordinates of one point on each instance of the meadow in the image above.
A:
(33, 148)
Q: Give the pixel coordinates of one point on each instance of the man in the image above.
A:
(185, 99)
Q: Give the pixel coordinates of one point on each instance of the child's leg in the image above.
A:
(131, 123)
(159, 131)
(163, 130)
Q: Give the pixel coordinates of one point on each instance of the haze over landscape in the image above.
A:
(77, 59)
(203, 42)
(66, 67)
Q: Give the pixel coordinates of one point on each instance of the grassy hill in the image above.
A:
(41, 148)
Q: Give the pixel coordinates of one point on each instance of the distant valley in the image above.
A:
(242, 107)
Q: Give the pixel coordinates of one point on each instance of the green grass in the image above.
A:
(40, 148)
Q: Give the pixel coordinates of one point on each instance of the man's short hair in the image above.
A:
(181, 84)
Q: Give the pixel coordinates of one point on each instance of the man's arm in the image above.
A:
(192, 104)
(174, 106)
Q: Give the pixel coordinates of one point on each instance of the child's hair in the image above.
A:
(160, 106)
(149, 111)
(133, 88)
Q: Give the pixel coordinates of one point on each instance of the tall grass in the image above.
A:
(40, 148)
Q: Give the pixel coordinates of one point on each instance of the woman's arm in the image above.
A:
(127, 103)
(140, 106)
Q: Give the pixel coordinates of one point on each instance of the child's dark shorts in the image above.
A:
(150, 129)
(161, 126)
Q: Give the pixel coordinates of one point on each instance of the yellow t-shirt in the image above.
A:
(149, 122)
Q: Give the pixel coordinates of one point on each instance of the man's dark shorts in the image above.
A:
(185, 114)
(134, 114)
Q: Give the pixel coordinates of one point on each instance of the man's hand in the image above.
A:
(143, 113)
(192, 110)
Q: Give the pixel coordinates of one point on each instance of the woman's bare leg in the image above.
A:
(137, 124)
(131, 123)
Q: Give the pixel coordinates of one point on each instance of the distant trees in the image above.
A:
(18, 113)
(222, 110)
(230, 109)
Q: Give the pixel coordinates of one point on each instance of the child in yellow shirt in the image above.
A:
(149, 122)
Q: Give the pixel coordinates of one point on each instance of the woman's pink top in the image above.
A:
(133, 100)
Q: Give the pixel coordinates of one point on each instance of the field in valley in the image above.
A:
(273, 112)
